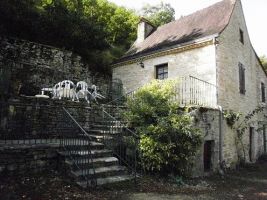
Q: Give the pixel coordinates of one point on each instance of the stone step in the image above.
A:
(108, 180)
(103, 132)
(114, 106)
(108, 126)
(96, 153)
(109, 122)
(83, 145)
(97, 162)
(99, 172)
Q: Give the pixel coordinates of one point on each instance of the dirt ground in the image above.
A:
(247, 183)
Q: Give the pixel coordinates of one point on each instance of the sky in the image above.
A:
(255, 12)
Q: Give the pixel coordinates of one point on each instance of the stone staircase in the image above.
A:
(96, 165)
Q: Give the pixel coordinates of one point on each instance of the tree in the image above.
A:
(97, 30)
(168, 139)
(263, 60)
(159, 14)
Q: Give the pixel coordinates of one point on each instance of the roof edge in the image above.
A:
(234, 5)
(176, 48)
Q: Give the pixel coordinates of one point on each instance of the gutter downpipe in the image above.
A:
(215, 42)
(220, 134)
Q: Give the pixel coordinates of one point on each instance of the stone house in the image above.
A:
(211, 47)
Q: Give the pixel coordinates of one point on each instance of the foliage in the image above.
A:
(159, 14)
(263, 60)
(97, 30)
(168, 140)
(240, 125)
(231, 117)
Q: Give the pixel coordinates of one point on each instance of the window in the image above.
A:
(242, 82)
(162, 71)
(241, 36)
(262, 92)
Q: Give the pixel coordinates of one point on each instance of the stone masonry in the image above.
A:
(198, 62)
(25, 67)
(216, 63)
(230, 51)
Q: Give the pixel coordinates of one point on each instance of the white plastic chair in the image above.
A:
(95, 95)
(65, 89)
(82, 91)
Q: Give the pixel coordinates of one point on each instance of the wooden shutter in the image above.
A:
(262, 92)
(242, 81)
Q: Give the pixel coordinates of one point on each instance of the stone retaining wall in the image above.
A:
(28, 157)
(26, 67)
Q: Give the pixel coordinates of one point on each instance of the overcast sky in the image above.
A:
(255, 13)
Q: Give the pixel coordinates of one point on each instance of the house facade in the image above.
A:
(211, 45)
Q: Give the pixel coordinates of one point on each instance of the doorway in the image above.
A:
(208, 153)
(251, 133)
(264, 138)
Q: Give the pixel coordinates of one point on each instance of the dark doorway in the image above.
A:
(264, 138)
(251, 130)
(208, 149)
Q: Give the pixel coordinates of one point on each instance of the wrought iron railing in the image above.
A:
(194, 91)
(77, 142)
(189, 90)
(121, 140)
(33, 123)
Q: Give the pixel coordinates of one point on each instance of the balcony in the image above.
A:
(193, 91)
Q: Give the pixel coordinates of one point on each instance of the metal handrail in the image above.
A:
(89, 138)
(125, 161)
(75, 121)
(133, 133)
(125, 95)
(202, 80)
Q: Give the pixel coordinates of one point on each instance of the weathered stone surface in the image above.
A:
(230, 51)
(26, 67)
(198, 62)
(207, 120)
(33, 157)
(217, 63)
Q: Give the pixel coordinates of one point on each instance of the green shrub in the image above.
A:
(168, 140)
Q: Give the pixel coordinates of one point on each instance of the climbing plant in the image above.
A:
(240, 123)
(231, 117)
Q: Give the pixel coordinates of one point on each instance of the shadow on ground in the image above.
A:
(247, 183)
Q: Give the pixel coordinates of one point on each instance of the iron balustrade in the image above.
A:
(194, 91)
(189, 90)
(33, 123)
(78, 143)
(121, 140)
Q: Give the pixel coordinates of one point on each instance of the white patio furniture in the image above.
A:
(82, 91)
(65, 89)
(95, 95)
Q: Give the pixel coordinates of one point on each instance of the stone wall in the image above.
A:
(199, 62)
(28, 118)
(25, 67)
(28, 157)
(229, 52)
(207, 120)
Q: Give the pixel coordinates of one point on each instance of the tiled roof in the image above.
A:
(208, 21)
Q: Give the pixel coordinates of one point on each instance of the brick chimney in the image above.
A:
(145, 28)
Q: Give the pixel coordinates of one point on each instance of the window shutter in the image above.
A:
(242, 82)
(262, 92)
